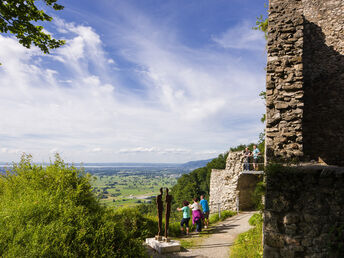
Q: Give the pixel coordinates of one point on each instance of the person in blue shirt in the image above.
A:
(186, 217)
(255, 154)
(205, 208)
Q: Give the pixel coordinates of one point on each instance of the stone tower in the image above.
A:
(305, 81)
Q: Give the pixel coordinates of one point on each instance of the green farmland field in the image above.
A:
(126, 190)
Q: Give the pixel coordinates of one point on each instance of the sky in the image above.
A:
(136, 81)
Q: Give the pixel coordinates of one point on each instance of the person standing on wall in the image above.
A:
(255, 154)
(247, 155)
(205, 208)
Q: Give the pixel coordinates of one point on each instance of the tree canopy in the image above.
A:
(22, 18)
(197, 182)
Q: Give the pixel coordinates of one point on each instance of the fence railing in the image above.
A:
(251, 166)
(216, 207)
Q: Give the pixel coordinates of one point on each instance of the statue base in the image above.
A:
(163, 247)
(159, 238)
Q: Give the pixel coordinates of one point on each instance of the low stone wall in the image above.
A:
(227, 184)
(304, 212)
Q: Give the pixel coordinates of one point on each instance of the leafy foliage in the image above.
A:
(197, 182)
(21, 18)
(260, 145)
(52, 212)
(256, 219)
(258, 194)
(262, 23)
(137, 224)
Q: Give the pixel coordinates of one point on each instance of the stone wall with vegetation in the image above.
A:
(305, 81)
(304, 212)
(227, 184)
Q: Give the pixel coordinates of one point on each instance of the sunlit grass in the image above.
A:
(249, 244)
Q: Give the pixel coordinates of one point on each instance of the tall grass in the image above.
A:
(249, 244)
(213, 218)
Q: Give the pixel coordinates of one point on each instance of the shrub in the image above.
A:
(52, 212)
(256, 219)
(258, 194)
(135, 223)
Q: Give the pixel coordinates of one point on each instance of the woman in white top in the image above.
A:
(195, 206)
(197, 215)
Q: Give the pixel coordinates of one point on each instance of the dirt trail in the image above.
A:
(221, 237)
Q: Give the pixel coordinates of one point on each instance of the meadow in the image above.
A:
(123, 190)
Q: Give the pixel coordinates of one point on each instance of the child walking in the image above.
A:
(186, 217)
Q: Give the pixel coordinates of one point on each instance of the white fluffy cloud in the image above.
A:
(195, 102)
(242, 36)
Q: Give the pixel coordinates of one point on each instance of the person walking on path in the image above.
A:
(197, 215)
(205, 208)
(256, 154)
(186, 217)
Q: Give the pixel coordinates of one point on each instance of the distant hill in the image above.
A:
(117, 166)
(195, 164)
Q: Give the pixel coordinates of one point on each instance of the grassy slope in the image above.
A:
(249, 244)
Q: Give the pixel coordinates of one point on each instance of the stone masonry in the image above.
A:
(304, 212)
(227, 184)
(304, 204)
(305, 81)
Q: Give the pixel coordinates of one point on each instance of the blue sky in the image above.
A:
(137, 81)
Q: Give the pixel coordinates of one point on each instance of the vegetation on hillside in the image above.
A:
(197, 182)
(52, 212)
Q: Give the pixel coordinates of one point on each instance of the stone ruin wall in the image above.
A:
(223, 183)
(227, 184)
(305, 121)
(304, 212)
(305, 81)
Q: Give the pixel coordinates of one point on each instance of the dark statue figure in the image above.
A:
(168, 200)
(160, 209)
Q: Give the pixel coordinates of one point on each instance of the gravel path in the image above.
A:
(221, 237)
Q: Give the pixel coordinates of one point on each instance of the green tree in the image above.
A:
(196, 182)
(22, 18)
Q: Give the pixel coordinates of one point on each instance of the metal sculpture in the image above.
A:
(168, 200)
(160, 207)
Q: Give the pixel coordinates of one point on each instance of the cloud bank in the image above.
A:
(181, 104)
